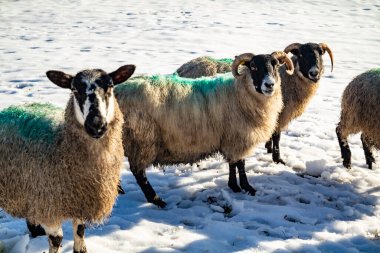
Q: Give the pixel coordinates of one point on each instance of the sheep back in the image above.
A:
(204, 66)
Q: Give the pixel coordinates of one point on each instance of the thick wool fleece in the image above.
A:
(360, 107)
(297, 92)
(169, 119)
(51, 170)
(204, 66)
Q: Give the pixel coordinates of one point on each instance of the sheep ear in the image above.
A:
(122, 74)
(60, 78)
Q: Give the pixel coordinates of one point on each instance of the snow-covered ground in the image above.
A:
(312, 204)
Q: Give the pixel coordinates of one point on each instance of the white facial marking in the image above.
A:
(106, 112)
(267, 91)
(111, 109)
(78, 112)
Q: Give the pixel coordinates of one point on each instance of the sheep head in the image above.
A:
(93, 95)
(309, 58)
(263, 70)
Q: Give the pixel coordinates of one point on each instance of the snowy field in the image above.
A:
(312, 204)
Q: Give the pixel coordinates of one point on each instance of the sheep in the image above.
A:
(359, 113)
(55, 166)
(173, 120)
(299, 88)
(204, 66)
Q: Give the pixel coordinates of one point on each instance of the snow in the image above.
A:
(313, 204)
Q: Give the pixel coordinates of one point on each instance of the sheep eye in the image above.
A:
(253, 68)
(74, 90)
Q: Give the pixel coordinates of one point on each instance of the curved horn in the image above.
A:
(292, 47)
(325, 47)
(240, 59)
(282, 57)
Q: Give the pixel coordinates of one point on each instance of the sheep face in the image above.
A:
(310, 62)
(93, 95)
(264, 73)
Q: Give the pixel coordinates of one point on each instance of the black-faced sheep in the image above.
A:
(360, 113)
(299, 88)
(172, 120)
(55, 166)
(204, 66)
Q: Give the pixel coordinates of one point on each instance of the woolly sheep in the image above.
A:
(204, 66)
(360, 113)
(299, 88)
(172, 120)
(55, 167)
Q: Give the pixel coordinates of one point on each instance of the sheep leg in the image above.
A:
(344, 148)
(232, 180)
(78, 232)
(244, 184)
(35, 230)
(269, 145)
(55, 236)
(147, 189)
(276, 148)
(367, 151)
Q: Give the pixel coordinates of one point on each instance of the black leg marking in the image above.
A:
(344, 149)
(82, 251)
(232, 180)
(244, 184)
(367, 151)
(120, 189)
(35, 230)
(147, 189)
(269, 146)
(276, 148)
(55, 240)
(80, 230)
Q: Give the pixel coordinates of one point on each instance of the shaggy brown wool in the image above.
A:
(297, 92)
(204, 66)
(74, 178)
(172, 123)
(360, 107)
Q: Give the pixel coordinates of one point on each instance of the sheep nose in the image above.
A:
(269, 85)
(96, 127)
(313, 73)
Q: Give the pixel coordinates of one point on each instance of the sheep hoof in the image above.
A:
(234, 187)
(158, 202)
(249, 189)
(347, 164)
(279, 160)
